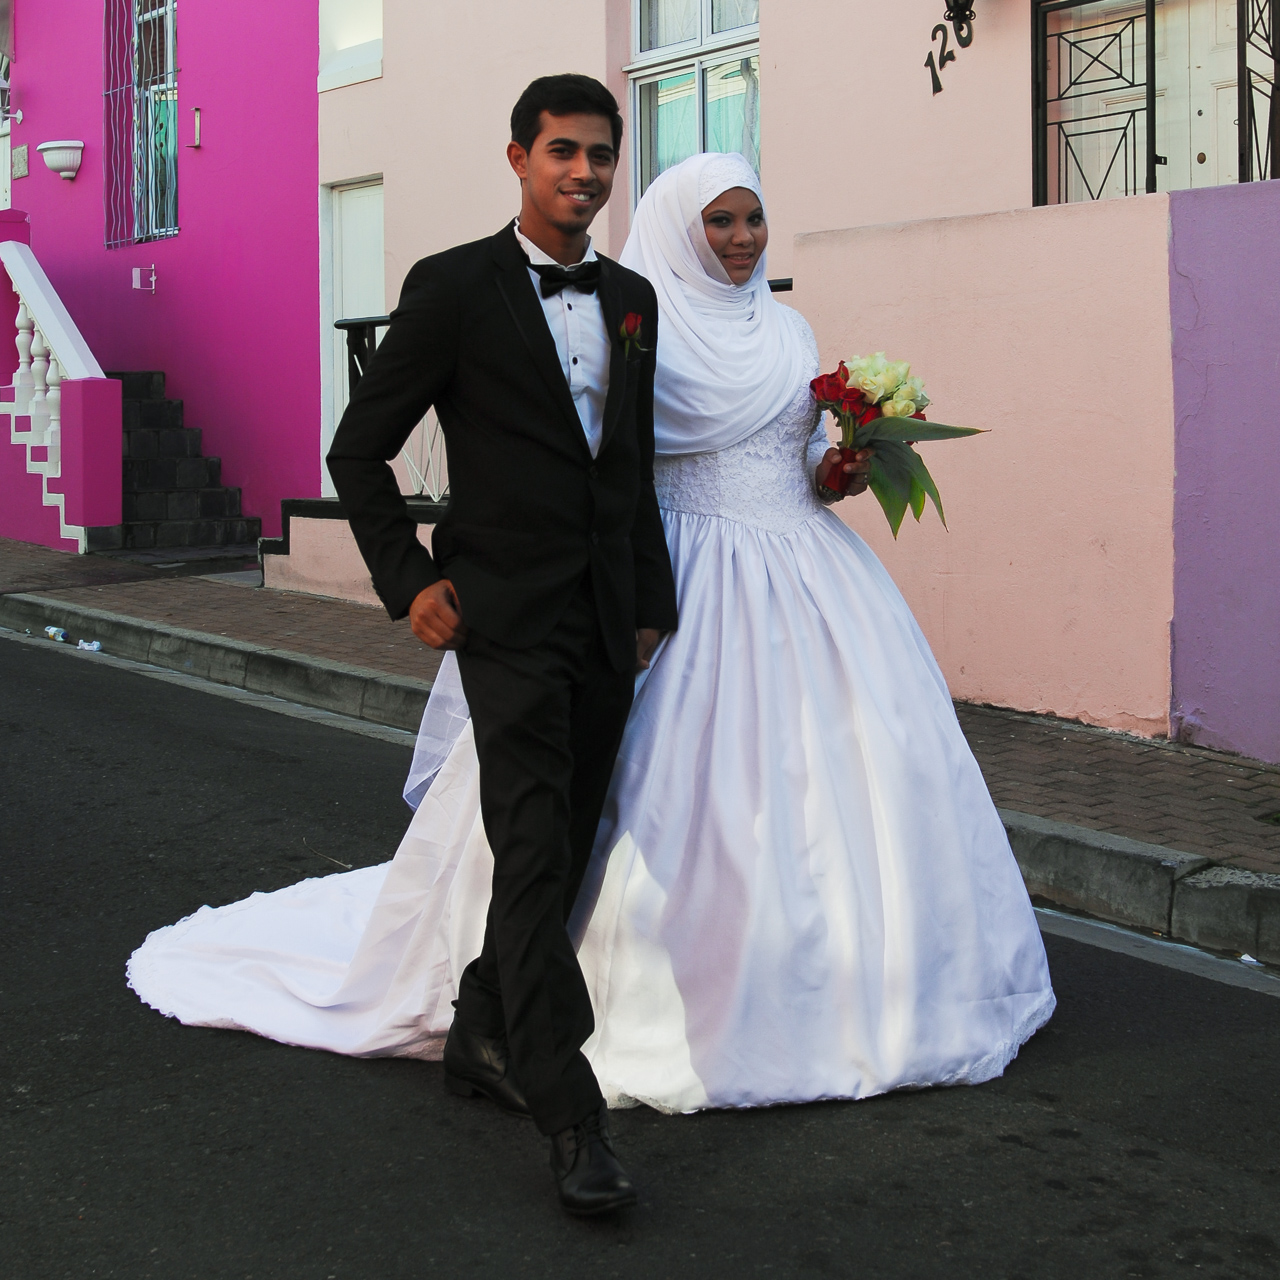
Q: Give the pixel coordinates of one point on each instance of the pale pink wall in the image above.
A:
(1053, 591)
(852, 134)
(436, 125)
(232, 322)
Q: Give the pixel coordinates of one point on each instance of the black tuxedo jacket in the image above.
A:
(530, 512)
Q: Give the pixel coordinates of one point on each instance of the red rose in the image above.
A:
(631, 323)
(828, 389)
(852, 401)
(842, 372)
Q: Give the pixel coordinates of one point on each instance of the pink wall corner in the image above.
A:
(91, 451)
(233, 319)
(1053, 592)
(852, 133)
(23, 515)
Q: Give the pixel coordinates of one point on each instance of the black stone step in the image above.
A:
(166, 442)
(182, 504)
(141, 474)
(148, 385)
(151, 413)
(142, 535)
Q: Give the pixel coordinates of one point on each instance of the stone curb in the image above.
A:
(1148, 886)
(1127, 882)
(358, 692)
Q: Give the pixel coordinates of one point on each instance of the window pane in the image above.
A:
(668, 124)
(664, 22)
(733, 108)
(728, 14)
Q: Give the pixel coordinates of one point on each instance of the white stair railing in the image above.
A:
(50, 349)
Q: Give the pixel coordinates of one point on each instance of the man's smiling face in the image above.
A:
(567, 174)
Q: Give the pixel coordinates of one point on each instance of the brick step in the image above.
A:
(162, 442)
(142, 474)
(151, 413)
(182, 504)
(143, 535)
(147, 385)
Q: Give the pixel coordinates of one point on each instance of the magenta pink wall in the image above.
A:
(234, 319)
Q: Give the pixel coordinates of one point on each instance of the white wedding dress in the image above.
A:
(801, 888)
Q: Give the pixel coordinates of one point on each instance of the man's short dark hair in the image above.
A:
(564, 95)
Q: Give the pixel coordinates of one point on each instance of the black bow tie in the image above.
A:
(584, 277)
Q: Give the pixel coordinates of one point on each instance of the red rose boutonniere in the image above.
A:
(629, 333)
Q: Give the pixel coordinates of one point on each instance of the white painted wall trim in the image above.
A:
(351, 66)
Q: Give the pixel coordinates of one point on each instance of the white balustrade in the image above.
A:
(50, 350)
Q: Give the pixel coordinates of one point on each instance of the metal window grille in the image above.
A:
(140, 121)
(1259, 115)
(1094, 87)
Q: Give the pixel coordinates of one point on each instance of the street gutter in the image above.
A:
(1163, 891)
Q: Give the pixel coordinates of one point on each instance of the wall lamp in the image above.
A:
(961, 15)
(6, 115)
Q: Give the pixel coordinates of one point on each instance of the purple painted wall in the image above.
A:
(1224, 287)
(234, 318)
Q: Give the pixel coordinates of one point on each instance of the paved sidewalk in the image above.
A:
(1205, 866)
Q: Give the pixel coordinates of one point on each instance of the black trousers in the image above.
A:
(547, 721)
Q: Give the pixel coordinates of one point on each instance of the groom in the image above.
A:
(548, 574)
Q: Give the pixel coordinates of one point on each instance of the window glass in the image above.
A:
(726, 15)
(664, 22)
(669, 123)
(733, 108)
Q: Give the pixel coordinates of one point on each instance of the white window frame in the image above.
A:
(699, 55)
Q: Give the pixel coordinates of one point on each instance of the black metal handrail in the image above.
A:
(362, 340)
(362, 336)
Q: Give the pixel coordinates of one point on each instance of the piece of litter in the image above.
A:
(1248, 959)
(90, 646)
(55, 633)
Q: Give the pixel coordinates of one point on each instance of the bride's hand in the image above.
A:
(856, 472)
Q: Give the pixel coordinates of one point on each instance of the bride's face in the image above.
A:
(736, 231)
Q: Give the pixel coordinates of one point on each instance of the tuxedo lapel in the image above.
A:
(611, 308)
(531, 322)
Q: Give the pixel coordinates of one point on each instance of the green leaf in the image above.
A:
(891, 501)
(917, 499)
(921, 477)
(914, 429)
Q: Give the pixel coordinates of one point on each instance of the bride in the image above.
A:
(800, 887)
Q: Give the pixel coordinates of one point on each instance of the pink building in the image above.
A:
(1058, 210)
(179, 235)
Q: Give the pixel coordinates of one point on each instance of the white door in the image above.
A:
(357, 276)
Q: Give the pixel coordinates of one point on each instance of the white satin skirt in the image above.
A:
(801, 888)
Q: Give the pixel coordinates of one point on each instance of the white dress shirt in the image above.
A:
(577, 325)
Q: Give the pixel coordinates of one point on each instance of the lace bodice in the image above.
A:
(765, 480)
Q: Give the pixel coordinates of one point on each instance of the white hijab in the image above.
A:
(729, 360)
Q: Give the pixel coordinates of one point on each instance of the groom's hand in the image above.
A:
(646, 642)
(435, 618)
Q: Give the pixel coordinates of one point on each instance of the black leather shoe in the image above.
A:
(475, 1064)
(588, 1175)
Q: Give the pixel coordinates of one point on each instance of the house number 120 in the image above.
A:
(962, 25)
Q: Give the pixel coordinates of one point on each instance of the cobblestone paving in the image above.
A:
(1188, 798)
(330, 629)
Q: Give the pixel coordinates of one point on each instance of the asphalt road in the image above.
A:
(1137, 1135)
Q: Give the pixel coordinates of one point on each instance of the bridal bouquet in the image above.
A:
(877, 402)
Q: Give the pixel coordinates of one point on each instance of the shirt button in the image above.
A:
(575, 359)
(569, 305)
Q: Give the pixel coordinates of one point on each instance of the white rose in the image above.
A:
(898, 408)
(913, 388)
